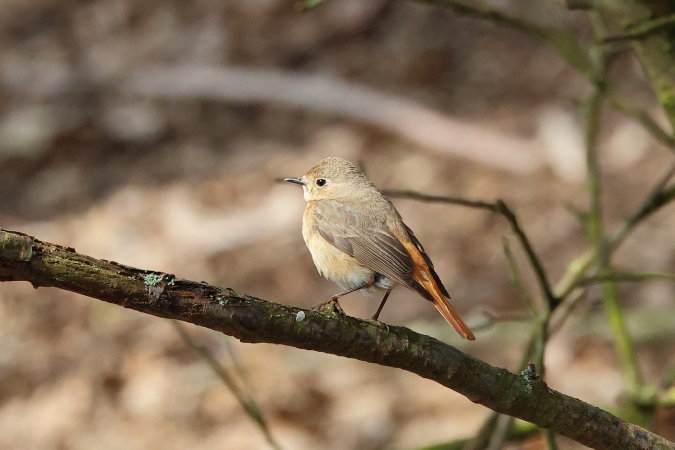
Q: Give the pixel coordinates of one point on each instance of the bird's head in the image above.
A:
(332, 178)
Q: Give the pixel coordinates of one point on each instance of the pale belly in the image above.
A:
(340, 267)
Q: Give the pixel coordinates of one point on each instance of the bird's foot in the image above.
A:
(330, 302)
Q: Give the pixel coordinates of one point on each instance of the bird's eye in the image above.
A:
(321, 182)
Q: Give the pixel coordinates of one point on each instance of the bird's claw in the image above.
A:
(330, 302)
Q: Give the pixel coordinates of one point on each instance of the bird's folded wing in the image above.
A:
(363, 237)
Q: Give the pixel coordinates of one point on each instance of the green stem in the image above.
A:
(623, 343)
(624, 277)
(595, 226)
(642, 30)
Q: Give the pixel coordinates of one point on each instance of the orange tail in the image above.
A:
(423, 276)
(448, 312)
(423, 273)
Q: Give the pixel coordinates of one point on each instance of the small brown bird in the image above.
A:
(358, 240)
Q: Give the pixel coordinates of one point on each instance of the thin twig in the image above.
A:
(588, 264)
(622, 338)
(516, 279)
(625, 277)
(575, 271)
(595, 226)
(659, 196)
(501, 432)
(641, 117)
(579, 4)
(644, 29)
(593, 219)
(413, 195)
(491, 318)
(501, 208)
(536, 263)
(563, 41)
(247, 403)
(483, 436)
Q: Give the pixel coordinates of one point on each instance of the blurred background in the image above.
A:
(151, 133)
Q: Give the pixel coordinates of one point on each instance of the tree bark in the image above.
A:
(250, 319)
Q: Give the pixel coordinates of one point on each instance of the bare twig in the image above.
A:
(595, 229)
(402, 193)
(579, 4)
(516, 279)
(588, 264)
(643, 30)
(490, 318)
(563, 41)
(501, 208)
(247, 403)
(641, 117)
(625, 277)
(536, 263)
(518, 432)
(660, 195)
(501, 432)
(486, 431)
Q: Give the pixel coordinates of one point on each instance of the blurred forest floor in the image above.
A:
(185, 184)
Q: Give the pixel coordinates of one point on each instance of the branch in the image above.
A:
(625, 277)
(24, 258)
(563, 41)
(644, 29)
(660, 195)
(641, 117)
(651, 39)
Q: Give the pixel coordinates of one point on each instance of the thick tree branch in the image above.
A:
(23, 258)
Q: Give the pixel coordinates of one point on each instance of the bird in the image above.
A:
(358, 240)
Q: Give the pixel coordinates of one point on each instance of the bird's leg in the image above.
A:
(379, 309)
(334, 299)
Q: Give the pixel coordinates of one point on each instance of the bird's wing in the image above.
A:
(363, 237)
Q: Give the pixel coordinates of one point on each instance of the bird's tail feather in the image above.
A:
(430, 286)
(450, 315)
(441, 302)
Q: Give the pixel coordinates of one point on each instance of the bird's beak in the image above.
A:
(295, 180)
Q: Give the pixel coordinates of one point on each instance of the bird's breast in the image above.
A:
(330, 261)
